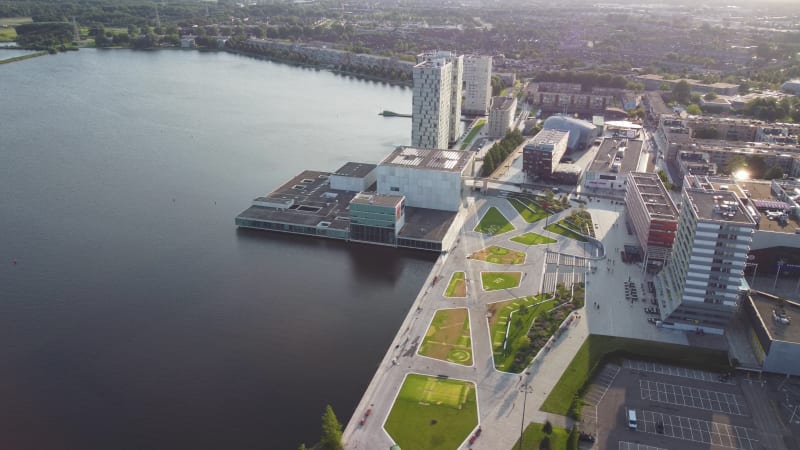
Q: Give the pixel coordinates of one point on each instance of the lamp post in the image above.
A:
(525, 388)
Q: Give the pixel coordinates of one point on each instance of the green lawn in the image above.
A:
(432, 413)
(448, 337)
(534, 434)
(498, 255)
(457, 286)
(524, 314)
(494, 222)
(533, 239)
(467, 140)
(596, 349)
(564, 230)
(528, 210)
(493, 281)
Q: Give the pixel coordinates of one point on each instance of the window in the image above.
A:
(394, 189)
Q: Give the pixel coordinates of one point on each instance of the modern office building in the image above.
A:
(581, 132)
(615, 159)
(428, 178)
(436, 105)
(376, 218)
(477, 84)
(501, 115)
(654, 217)
(541, 155)
(701, 286)
(354, 177)
(775, 339)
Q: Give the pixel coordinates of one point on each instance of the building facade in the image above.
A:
(501, 115)
(436, 104)
(376, 218)
(477, 84)
(428, 178)
(541, 155)
(654, 217)
(700, 287)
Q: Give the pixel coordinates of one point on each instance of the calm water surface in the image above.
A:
(136, 315)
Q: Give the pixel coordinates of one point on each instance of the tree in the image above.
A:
(757, 166)
(682, 92)
(710, 96)
(331, 430)
(694, 110)
(774, 172)
(547, 428)
(302, 447)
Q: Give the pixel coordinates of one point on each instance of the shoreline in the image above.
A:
(23, 57)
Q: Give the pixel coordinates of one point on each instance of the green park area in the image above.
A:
(563, 228)
(530, 211)
(472, 133)
(433, 413)
(448, 337)
(531, 238)
(457, 287)
(7, 31)
(514, 317)
(493, 223)
(499, 255)
(493, 281)
(566, 397)
(556, 437)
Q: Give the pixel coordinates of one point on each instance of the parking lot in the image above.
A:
(676, 408)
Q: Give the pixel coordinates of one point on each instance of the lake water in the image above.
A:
(136, 315)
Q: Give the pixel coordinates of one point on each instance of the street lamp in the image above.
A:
(525, 388)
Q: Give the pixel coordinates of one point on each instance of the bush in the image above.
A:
(545, 443)
(573, 438)
(548, 427)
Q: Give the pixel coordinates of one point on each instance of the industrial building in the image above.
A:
(702, 284)
(615, 159)
(653, 217)
(541, 155)
(436, 104)
(477, 84)
(501, 115)
(428, 178)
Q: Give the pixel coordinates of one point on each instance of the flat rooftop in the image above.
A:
(762, 190)
(548, 137)
(313, 201)
(429, 159)
(502, 103)
(654, 196)
(777, 330)
(609, 153)
(355, 170)
(427, 224)
(377, 199)
(719, 206)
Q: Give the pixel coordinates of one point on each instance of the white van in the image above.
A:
(632, 419)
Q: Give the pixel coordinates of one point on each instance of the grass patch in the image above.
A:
(494, 223)
(534, 433)
(448, 337)
(21, 57)
(493, 281)
(524, 314)
(529, 211)
(499, 255)
(564, 230)
(472, 133)
(596, 350)
(432, 413)
(8, 34)
(457, 287)
(531, 238)
(11, 21)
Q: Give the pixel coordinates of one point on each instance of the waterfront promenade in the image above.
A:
(500, 395)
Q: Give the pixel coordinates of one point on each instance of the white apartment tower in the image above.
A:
(477, 84)
(436, 108)
(699, 288)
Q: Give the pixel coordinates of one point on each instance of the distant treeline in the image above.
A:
(587, 80)
(44, 34)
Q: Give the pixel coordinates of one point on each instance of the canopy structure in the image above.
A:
(770, 204)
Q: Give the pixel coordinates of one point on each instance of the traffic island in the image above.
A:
(434, 413)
